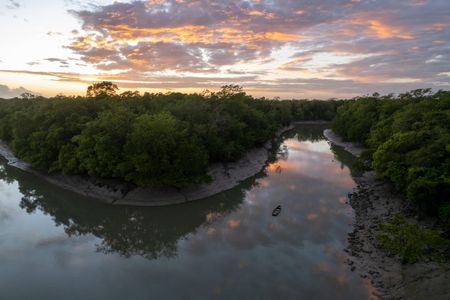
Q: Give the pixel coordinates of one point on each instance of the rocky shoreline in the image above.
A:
(224, 177)
(375, 201)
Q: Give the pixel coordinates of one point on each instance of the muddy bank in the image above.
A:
(224, 177)
(354, 148)
(375, 201)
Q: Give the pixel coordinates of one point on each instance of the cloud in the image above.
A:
(290, 48)
(63, 63)
(297, 88)
(389, 45)
(332, 88)
(54, 33)
(7, 92)
(53, 59)
(147, 57)
(13, 4)
(349, 45)
(135, 80)
(212, 33)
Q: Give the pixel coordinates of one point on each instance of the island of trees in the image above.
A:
(149, 140)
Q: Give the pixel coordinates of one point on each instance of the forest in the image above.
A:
(148, 140)
(170, 139)
(408, 142)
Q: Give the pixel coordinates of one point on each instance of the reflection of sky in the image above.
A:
(244, 254)
(299, 253)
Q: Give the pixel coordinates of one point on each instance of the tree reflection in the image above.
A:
(307, 132)
(345, 158)
(314, 133)
(128, 231)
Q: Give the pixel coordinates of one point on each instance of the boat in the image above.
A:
(276, 211)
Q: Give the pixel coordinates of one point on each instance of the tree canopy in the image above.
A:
(408, 137)
(102, 89)
(150, 139)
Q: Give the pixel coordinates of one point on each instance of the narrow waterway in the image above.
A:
(58, 245)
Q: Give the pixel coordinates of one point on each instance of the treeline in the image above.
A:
(408, 140)
(149, 140)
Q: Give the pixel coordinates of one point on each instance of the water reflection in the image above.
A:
(227, 247)
(128, 231)
(155, 232)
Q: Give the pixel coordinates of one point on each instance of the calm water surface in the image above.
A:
(58, 245)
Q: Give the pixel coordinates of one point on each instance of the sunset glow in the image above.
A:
(289, 49)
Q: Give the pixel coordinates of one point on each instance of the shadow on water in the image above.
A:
(150, 232)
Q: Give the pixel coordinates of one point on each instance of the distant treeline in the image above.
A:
(149, 140)
(408, 138)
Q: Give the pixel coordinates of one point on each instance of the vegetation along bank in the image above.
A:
(124, 148)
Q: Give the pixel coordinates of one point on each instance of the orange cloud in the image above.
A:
(211, 231)
(123, 33)
(312, 216)
(233, 223)
(384, 31)
(285, 48)
(212, 216)
(281, 165)
(256, 13)
(377, 27)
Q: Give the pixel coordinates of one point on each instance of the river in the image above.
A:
(55, 244)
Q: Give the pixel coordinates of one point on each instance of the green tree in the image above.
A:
(160, 152)
(102, 89)
(409, 143)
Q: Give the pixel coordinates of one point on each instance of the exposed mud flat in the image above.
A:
(375, 201)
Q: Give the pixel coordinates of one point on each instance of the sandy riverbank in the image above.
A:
(375, 201)
(224, 177)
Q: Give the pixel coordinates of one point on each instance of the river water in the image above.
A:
(58, 245)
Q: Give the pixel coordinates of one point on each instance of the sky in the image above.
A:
(273, 48)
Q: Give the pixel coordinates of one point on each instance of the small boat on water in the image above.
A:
(276, 211)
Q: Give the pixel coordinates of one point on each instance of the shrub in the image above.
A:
(411, 242)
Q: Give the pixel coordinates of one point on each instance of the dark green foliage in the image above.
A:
(410, 242)
(149, 140)
(444, 214)
(409, 140)
(160, 152)
(355, 119)
(103, 89)
(362, 163)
